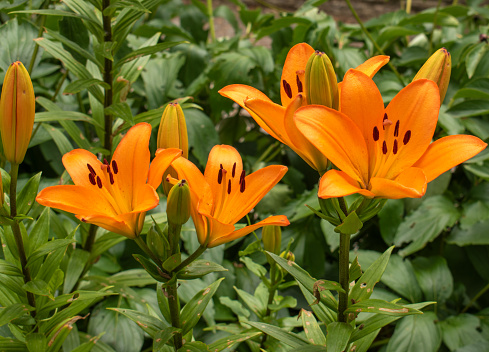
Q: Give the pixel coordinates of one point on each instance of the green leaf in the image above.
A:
(55, 116)
(355, 270)
(460, 330)
(195, 346)
(426, 223)
(202, 135)
(310, 348)
(469, 108)
(152, 268)
(150, 324)
(474, 56)
(381, 307)
(12, 312)
(27, 196)
(172, 262)
(257, 269)
(289, 338)
(475, 89)
(416, 333)
(162, 337)
(351, 225)
(121, 110)
(235, 306)
(283, 22)
(76, 264)
(364, 286)
(82, 84)
(474, 235)
(308, 282)
(311, 328)
(434, 277)
(147, 50)
(194, 308)
(199, 268)
(338, 336)
(53, 12)
(390, 217)
(16, 41)
(63, 144)
(12, 345)
(36, 342)
(89, 14)
(47, 248)
(393, 32)
(324, 314)
(229, 341)
(38, 287)
(9, 269)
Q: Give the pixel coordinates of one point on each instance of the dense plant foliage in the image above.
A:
(101, 68)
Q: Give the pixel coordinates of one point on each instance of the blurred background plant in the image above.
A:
(98, 67)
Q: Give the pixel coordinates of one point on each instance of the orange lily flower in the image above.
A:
(115, 195)
(384, 153)
(277, 120)
(224, 194)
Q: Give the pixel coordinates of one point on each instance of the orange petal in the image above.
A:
(76, 199)
(161, 162)
(336, 183)
(411, 183)
(448, 152)
(413, 113)
(147, 199)
(111, 224)
(337, 137)
(132, 158)
(257, 184)
(277, 220)
(362, 102)
(216, 230)
(296, 61)
(373, 65)
(240, 94)
(76, 163)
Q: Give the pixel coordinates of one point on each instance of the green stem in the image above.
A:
(476, 297)
(369, 36)
(191, 258)
(271, 295)
(60, 83)
(88, 246)
(344, 276)
(107, 79)
(39, 34)
(434, 25)
(17, 234)
(174, 305)
(211, 20)
(140, 242)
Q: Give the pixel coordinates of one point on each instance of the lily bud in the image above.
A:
(320, 81)
(17, 110)
(271, 236)
(437, 68)
(173, 130)
(178, 204)
(156, 242)
(288, 255)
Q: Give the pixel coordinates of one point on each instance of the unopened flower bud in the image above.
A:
(17, 110)
(173, 130)
(437, 68)
(155, 242)
(320, 81)
(288, 255)
(178, 204)
(271, 236)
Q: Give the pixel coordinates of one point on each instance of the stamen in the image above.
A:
(219, 176)
(229, 186)
(242, 186)
(396, 130)
(99, 182)
(106, 162)
(394, 149)
(407, 137)
(234, 170)
(91, 177)
(90, 168)
(299, 83)
(383, 121)
(221, 166)
(242, 177)
(114, 167)
(376, 134)
(287, 89)
(111, 178)
(384, 148)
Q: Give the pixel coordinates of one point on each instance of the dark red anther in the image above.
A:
(287, 89)
(90, 168)
(385, 118)
(394, 149)
(221, 166)
(114, 167)
(407, 137)
(242, 186)
(91, 177)
(299, 84)
(229, 186)
(396, 129)
(242, 177)
(111, 178)
(376, 134)
(384, 147)
(99, 182)
(219, 176)
(83, 220)
(234, 170)
(106, 162)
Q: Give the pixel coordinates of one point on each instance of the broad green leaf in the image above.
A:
(53, 116)
(54, 12)
(162, 337)
(195, 346)
(429, 16)
(39, 235)
(38, 287)
(194, 308)
(434, 277)
(351, 225)
(229, 341)
(399, 276)
(324, 314)
(416, 333)
(27, 196)
(36, 342)
(82, 84)
(199, 268)
(132, 277)
(474, 56)
(390, 217)
(474, 89)
(381, 307)
(363, 344)
(12, 345)
(147, 50)
(461, 330)
(257, 269)
(365, 284)
(355, 270)
(282, 23)
(151, 268)
(338, 336)
(76, 264)
(474, 235)
(9, 269)
(310, 348)
(150, 324)
(393, 32)
(289, 338)
(202, 135)
(311, 328)
(121, 110)
(87, 10)
(47, 248)
(16, 41)
(63, 144)
(468, 108)
(426, 223)
(12, 312)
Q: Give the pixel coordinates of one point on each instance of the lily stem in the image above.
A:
(476, 297)
(88, 246)
(271, 295)
(140, 242)
(107, 79)
(369, 36)
(344, 276)
(191, 258)
(172, 287)
(210, 12)
(14, 171)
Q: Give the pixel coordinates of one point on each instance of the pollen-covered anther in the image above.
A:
(115, 168)
(111, 178)
(91, 169)
(219, 175)
(234, 170)
(384, 147)
(242, 177)
(376, 134)
(99, 182)
(242, 185)
(396, 129)
(395, 147)
(91, 178)
(287, 89)
(407, 137)
(229, 186)
(299, 84)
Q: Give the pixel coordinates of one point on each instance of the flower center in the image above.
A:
(227, 189)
